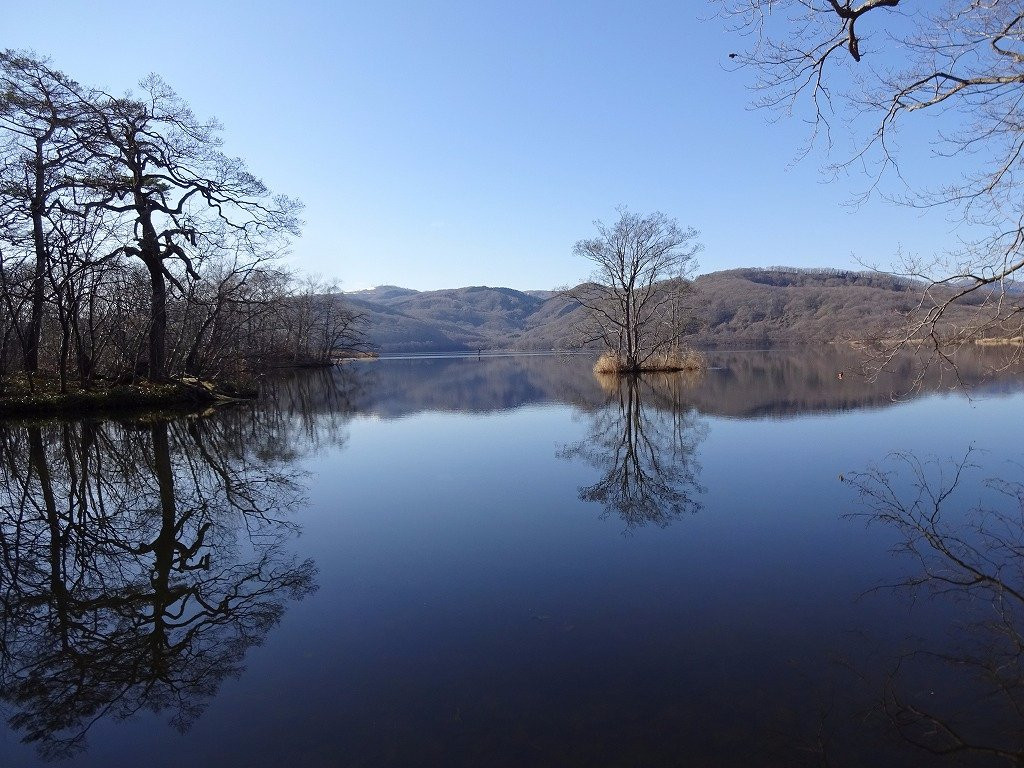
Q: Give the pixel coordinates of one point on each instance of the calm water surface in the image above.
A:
(507, 562)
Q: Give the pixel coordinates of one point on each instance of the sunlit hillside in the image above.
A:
(735, 308)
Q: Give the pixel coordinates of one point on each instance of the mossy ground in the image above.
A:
(43, 396)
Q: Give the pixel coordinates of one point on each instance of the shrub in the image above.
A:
(682, 360)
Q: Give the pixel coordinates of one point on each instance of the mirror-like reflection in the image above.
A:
(739, 384)
(643, 442)
(138, 564)
(306, 410)
(792, 383)
(474, 611)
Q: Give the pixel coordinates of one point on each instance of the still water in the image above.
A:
(507, 562)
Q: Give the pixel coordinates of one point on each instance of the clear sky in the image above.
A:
(445, 144)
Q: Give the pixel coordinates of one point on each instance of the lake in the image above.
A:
(506, 561)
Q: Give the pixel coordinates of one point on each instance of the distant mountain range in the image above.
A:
(732, 309)
(464, 319)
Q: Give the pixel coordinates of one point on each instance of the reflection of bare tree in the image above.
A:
(960, 695)
(137, 566)
(309, 408)
(642, 440)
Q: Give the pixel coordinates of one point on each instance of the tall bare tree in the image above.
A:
(38, 106)
(640, 268)
(160, 164)
(131, 244)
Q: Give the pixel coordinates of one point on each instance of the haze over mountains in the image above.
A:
(736, 308)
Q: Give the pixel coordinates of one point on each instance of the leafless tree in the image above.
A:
(953, 72)
(640, 268)
(161, 165)
(38, 105)
(318, 323)
(132, 245)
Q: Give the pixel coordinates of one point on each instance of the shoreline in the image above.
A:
(46, 399)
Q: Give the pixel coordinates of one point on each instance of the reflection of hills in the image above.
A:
(793, 383)
(402, 387)
(740, 384)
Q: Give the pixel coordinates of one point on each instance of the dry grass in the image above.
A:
(685, 360)
(1014, 341)
(607, 364)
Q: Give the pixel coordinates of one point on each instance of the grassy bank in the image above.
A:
(670, 362)
(43, 396)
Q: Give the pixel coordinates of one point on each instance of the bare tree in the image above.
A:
(157, 162)
(131, 245)
(38, 105)
(319, 325)
(640, 268)
(952, 71)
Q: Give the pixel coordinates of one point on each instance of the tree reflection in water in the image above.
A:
(642, 441)
(959, 693)
(138, 563)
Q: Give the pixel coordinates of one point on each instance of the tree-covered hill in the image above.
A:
(738, 308)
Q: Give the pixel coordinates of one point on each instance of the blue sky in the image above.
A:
(472, 143)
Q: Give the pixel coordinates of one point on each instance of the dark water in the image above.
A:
(506, 562)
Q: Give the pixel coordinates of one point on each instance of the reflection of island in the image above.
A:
(958, 693)
(740, 384)
(138, 563)
(642, 441)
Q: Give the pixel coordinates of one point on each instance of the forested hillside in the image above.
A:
(737, 308)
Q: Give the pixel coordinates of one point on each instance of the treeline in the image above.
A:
(132, 246)
(826, 277)
(753, 308)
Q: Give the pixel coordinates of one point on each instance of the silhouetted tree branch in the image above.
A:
(953, 73)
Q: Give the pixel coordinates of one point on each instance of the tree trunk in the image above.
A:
(35, 325)
(157, 366)
(149, 253)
